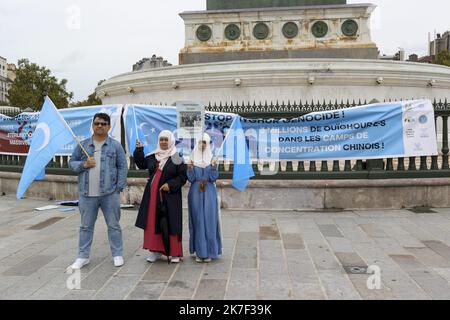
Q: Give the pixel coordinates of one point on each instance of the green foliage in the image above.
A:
(33, 83)
(443, 58)
(92, 99)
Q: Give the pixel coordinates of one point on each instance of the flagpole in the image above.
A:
(73, 134)
(81, 146)
(135, 123)
(220, 152)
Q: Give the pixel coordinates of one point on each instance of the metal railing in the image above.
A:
(423, 167)
(10, 112)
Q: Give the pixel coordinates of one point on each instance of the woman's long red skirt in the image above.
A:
(153, 241)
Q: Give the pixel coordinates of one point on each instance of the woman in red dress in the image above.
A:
(167, 173)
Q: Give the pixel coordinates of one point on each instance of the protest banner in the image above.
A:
(16, 133)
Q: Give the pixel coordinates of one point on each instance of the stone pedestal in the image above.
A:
(315, 31)
(274, 194)
(280, 80)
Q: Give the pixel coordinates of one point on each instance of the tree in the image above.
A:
(92, 99)
(33, 83)
(443, 58)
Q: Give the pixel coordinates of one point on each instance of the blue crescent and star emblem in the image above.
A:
(46, 131)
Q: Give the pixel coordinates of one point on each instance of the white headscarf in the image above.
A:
(203, 158)
(163, 155)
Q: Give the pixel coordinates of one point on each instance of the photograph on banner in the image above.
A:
(146, 122)
(16, 133)
(383, 130)
(190, 119)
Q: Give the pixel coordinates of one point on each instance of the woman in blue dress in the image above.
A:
(204, 225)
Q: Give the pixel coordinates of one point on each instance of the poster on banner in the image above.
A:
(383, 130)
(190, 119)
(147, 121)
(16, 133)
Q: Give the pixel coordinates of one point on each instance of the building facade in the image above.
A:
(12, 69)
(440, 43)
(5, 82)
(151, 63)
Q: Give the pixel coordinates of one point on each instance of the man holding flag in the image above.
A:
(101, 165)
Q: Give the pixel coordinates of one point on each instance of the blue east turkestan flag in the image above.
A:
(235, 147)
(136, 133)
(146, 122)
(50, 135)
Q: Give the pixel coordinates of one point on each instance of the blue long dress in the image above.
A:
(204, 228)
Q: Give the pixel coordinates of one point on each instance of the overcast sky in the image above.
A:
(112, 35)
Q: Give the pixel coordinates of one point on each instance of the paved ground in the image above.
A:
(267, 255)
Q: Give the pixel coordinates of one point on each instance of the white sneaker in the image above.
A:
(118, 261)
(79, 263)
(153, 256)
(175, 260)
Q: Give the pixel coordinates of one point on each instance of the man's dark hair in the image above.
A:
(103, 116)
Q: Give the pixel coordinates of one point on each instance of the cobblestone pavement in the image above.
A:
(267, 255)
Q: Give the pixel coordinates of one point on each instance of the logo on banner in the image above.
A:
(423, 119)
(418, 147)
(410, 121)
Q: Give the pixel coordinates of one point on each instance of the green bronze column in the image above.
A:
(253, 4)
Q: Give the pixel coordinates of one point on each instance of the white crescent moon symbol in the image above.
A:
(142, 128)
(44, 127)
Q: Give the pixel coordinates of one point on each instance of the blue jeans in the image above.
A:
(110, 206)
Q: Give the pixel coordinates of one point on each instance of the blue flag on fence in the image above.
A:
(146, 122)
(136, 133)
(50, 135)
(235, 147)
